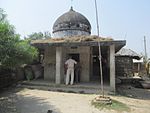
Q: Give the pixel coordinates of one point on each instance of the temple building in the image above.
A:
(72, 36)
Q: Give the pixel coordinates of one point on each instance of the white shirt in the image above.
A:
(70, 63)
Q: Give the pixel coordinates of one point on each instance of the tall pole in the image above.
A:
(100, 56)
(97, 23)
(145, 48)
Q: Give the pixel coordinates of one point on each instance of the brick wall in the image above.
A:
(124, 66)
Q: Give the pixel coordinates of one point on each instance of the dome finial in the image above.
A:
(71, 9)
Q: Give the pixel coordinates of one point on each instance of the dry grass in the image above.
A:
(73, 39)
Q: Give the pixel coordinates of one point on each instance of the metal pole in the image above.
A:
(97, 18)
(145, 48)
(100, 56)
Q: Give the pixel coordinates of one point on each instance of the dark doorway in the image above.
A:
(96, 67)
(75, 56)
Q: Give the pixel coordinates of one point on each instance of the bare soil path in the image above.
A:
(21, 100)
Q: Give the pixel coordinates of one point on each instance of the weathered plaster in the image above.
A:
(49, 63)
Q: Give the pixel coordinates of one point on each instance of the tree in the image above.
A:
(2, 16)
(39, 35)
(13, 51)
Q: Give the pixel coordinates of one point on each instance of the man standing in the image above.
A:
(70, 70)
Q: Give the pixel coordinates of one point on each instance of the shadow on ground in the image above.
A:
(11, 102)
(137, 93)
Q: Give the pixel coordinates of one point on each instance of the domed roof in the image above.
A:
(72, 20)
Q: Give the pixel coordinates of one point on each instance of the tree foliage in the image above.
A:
(2, 16)
(13, 51)
(39, 35)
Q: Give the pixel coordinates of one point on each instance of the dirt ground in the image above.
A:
(20, 100)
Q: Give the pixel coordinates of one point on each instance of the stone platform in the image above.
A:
(88, 88)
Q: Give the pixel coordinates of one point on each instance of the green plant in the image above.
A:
(116, 105)
(13, 51)
(28, 73)
(39, 35)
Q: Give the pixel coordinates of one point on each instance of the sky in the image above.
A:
(120, 19)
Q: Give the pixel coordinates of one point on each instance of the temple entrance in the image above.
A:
(77, 71)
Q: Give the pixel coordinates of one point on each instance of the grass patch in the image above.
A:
(70, 91)
(116, 105)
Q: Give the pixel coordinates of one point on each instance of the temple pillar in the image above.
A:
(112, 68)
(59, 65)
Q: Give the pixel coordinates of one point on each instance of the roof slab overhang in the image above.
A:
(118, 44)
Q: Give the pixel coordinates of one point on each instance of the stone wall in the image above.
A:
(124, 66)
(50, 63)
(85, 64)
